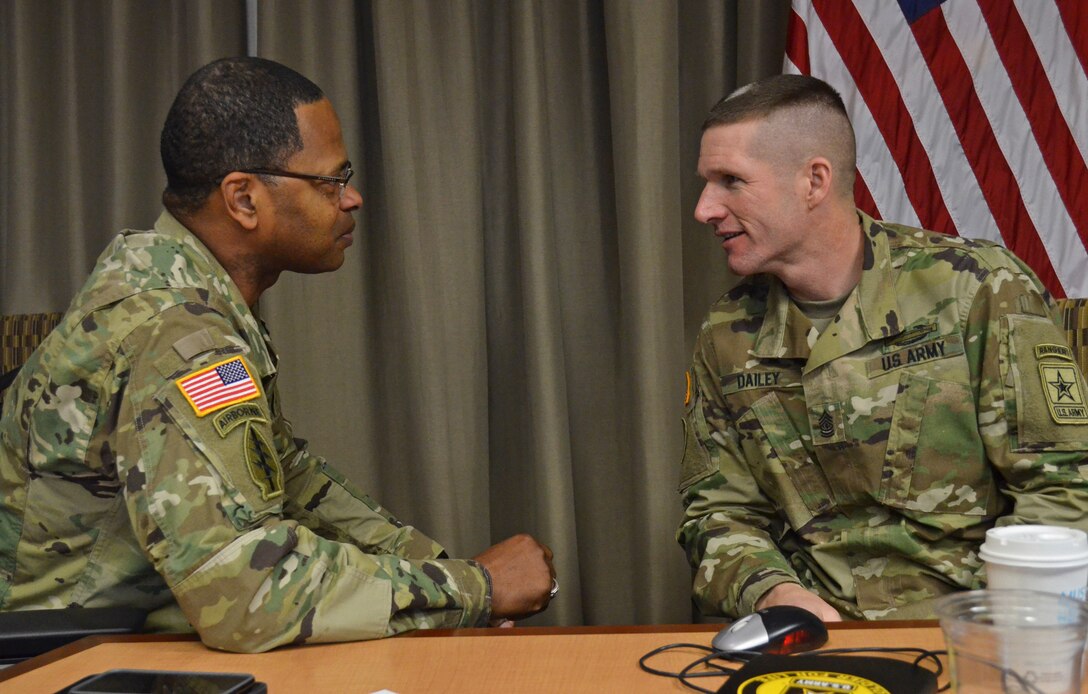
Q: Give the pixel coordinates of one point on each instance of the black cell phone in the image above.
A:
(167, 682)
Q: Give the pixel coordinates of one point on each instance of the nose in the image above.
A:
(708, 208)
(352, 199)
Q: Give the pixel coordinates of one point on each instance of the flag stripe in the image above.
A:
(797, 43)
(864, 199)
(1038, 190)
(1033, 89)
(875, 163)
(963, 197)
(1075, 21)
(878, 88)
(962, 103)
(1063, 68)
(969, 116)
(1029, 188)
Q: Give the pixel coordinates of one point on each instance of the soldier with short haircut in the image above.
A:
(870, 398)
(144, 457)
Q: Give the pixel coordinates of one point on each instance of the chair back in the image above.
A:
(1074, 317)
(20, 335)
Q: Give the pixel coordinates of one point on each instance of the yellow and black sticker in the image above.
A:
(1064, 389)
(262, 463)
(809, 682)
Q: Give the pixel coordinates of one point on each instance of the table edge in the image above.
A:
(93, 641)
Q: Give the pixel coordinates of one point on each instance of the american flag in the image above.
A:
(218, 385)
(971, 117)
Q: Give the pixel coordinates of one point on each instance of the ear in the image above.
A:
(239, 194)
(818, 181)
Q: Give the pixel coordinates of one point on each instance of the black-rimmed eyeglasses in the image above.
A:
(341, 180)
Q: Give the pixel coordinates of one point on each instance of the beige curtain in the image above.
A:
(504, 349)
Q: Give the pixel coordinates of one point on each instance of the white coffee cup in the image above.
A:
(1046, 558)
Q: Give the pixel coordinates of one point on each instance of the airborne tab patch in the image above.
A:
(232, 417)
(219, 385)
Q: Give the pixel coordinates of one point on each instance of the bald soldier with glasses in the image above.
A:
(144, 457)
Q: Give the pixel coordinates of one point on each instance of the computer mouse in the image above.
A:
(780, 629)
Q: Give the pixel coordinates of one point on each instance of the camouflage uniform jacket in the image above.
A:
(867, 462)
(123, 483)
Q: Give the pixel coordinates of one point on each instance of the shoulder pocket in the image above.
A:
(1045, 398)
(696, 463)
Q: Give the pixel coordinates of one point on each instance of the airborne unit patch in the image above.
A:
(264, 468)
(260, 455)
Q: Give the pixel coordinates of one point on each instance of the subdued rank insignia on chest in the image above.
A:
(1062, 383)
(827, 423)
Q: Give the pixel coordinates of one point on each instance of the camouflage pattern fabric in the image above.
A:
(117, 489)
(866, 462)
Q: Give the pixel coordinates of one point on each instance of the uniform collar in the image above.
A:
(204, 264)
(878, 303)
(872, 307)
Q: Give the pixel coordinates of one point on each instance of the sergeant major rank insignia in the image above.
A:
(1062, 383)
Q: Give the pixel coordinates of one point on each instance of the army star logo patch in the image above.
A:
(1064, 392)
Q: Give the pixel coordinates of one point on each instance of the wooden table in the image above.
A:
(524, 659)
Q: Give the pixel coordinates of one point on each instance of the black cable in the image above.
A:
(683, 675)
(1007, 674)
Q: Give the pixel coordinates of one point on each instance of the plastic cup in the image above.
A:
(1014, 641)
(1037, 557)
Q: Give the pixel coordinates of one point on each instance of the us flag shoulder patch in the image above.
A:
(218, 385)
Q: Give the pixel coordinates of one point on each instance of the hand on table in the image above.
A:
(521, 576)
(799, 596)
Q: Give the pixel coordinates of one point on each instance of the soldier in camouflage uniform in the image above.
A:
(144, 458)
(870, 398)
